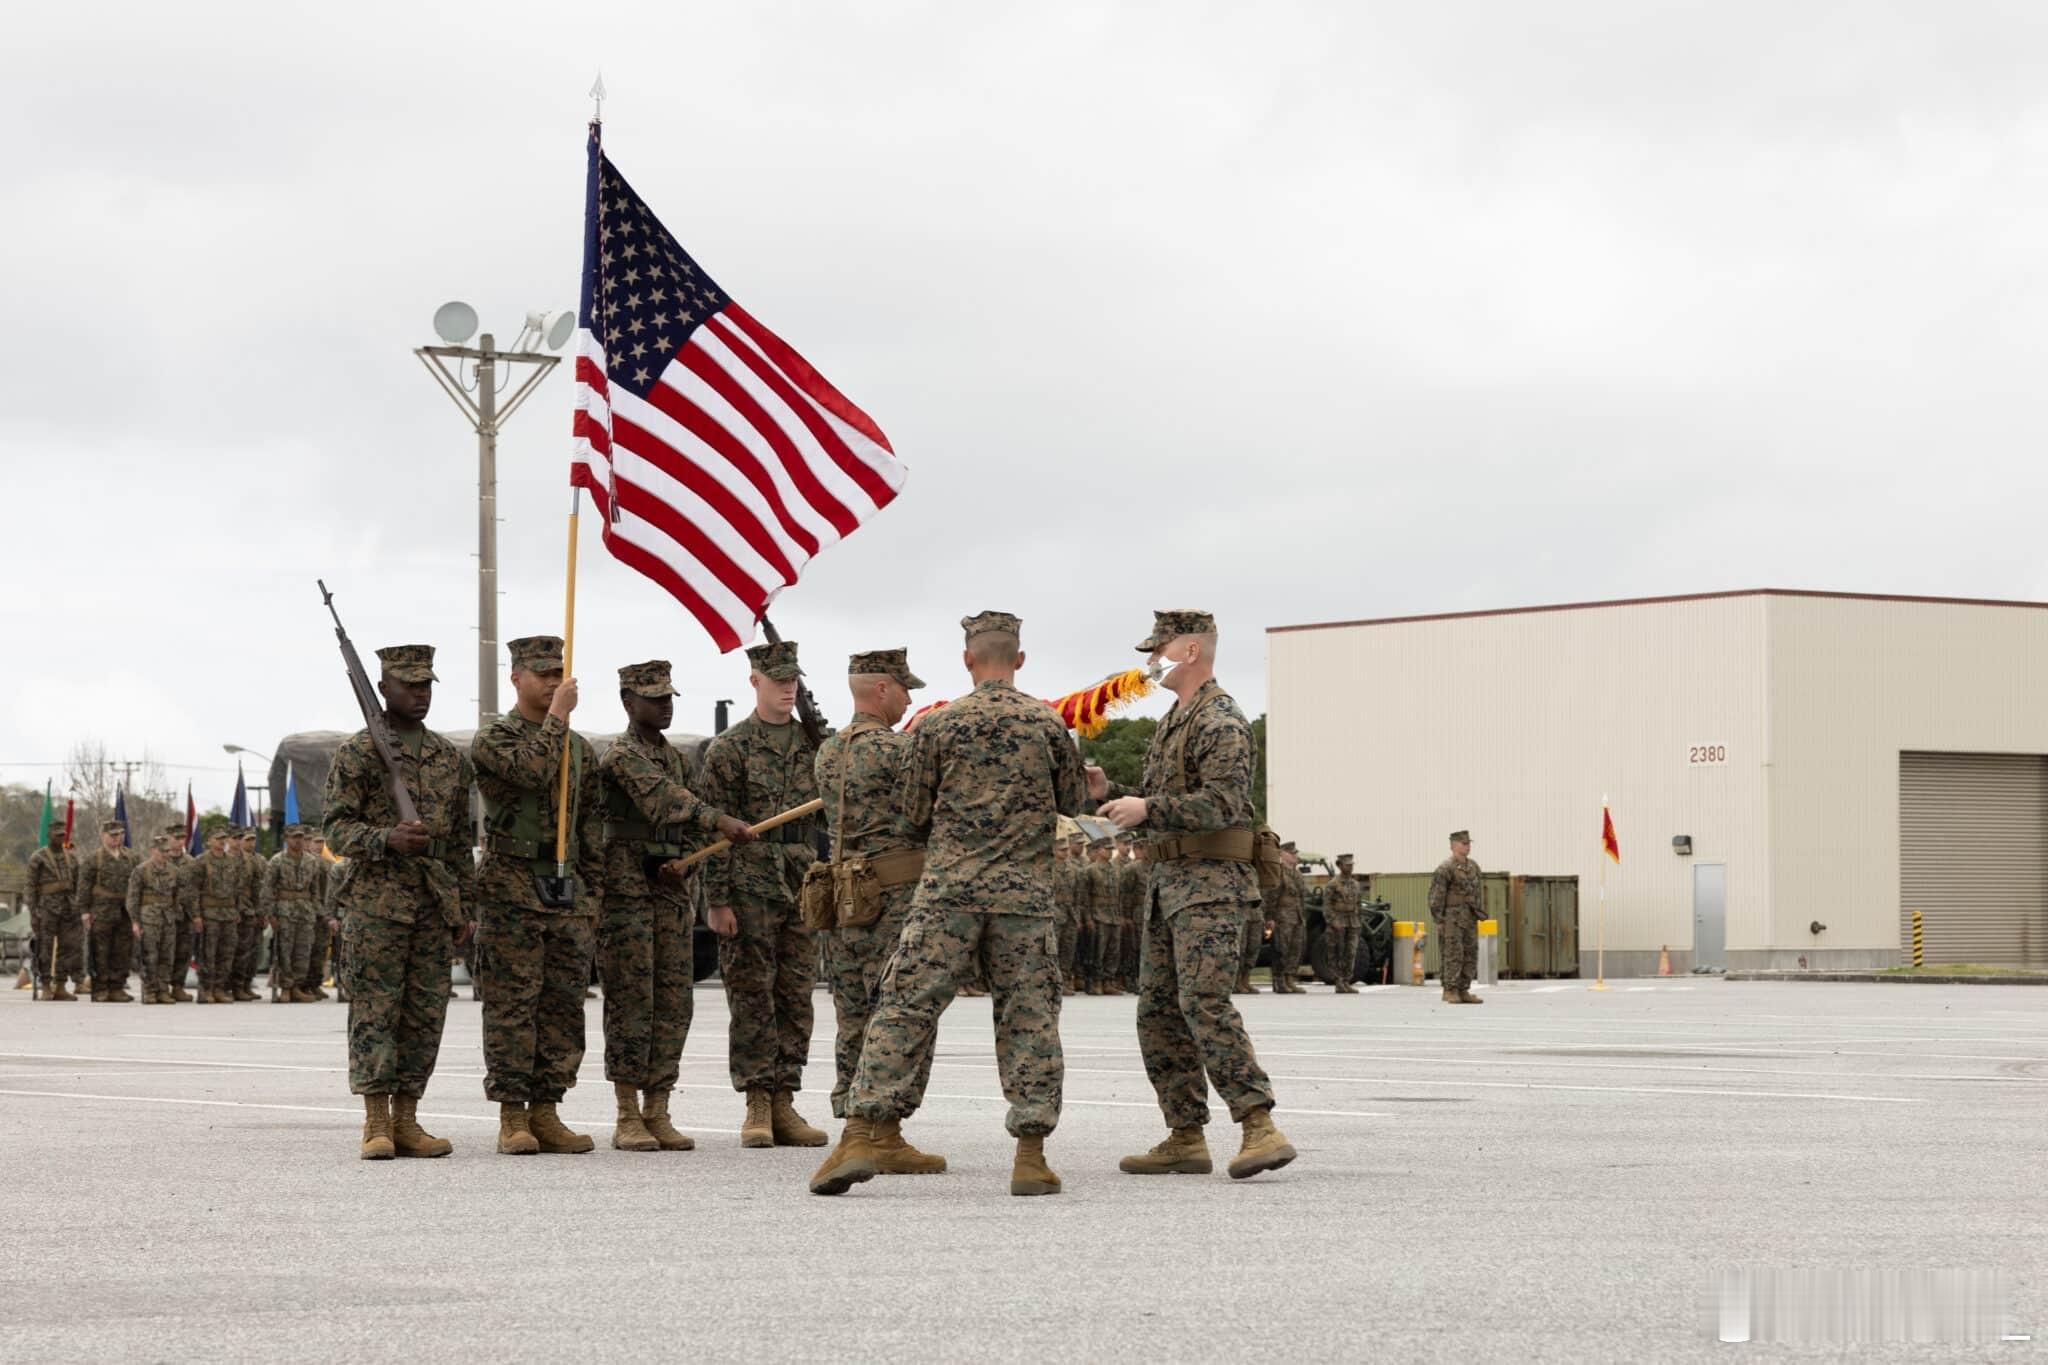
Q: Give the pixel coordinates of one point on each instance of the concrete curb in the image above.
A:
(2014, 979)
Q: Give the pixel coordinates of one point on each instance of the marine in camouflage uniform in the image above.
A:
(759, 768)
(1456, 904)
(213, 888)
(989, 777)
(293, 897)
(249, 938)
(1197, 805)
(644, 953)
(1286, 904)
(154, 906)
(536, 956)
(187, 919)
(861, 773)
(1343, 907)
(1086, 931)
(1105, 894)
(51, 901)
(103, 898)
(401, 899)
(1134, 887)
(326, 922)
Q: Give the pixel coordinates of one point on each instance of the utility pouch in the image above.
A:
(858, 890)
(815, 898)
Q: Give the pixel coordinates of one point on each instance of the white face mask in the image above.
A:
(1162, 667)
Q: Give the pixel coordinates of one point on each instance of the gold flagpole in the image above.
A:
(568, 672)
(1600, 950)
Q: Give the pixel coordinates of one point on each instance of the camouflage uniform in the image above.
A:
(248, 920)
(1198, 775)
(536, 958)
(398, 910)
(1286, 904)
(989, 776)
(213, 890)
(1067, 908)
(325, 945)
(103, 893)
(181, 963)
(1134, 885)
(1456, 904)
(644, 952)
(153, 902)
(293, 893)
(753, 771)
(1343, 899)
(860, 774)
(1086, 931)
(53, 912)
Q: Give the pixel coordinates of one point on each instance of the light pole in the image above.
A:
(455, 324)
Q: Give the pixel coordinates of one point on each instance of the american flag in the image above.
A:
(721, 460)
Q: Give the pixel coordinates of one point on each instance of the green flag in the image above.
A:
(49, 810)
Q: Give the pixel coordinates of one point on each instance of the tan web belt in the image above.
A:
(1210, 845)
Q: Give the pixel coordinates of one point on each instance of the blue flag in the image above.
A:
(121, 814)
(291, 795)
(238, 814)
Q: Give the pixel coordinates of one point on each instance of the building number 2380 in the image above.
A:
(1698, 755)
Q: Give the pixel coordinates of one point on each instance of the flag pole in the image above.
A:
(1600, 948)
(568, 672)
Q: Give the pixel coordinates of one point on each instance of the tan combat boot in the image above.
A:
(654, 1113)
(406, 1134)
(1465, 997)
(1451, 997)
(1346, 988)
(897, 1157)
(85, 987)
(1028, 1173)
(377, 1128)
(788, 1127)
(1265, 1147)
(851, 1162)
(515, 1135)
(552, 1135)
(179, 995)
(630, 1134)
(1185, 1152)
(121, 996)
(757, 1129)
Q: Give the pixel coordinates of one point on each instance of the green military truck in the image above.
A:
(1375, 938)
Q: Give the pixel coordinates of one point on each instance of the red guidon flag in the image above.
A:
(721, 460)
(1608, 843)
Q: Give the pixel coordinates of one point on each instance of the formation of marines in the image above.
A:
(945, 875)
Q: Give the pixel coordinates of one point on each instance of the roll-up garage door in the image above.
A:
(1973, 856)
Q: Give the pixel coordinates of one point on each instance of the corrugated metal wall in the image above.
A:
(1973, 856)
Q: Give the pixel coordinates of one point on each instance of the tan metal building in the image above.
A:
(1832, 761)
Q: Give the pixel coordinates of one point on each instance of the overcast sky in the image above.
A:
(1295, 312)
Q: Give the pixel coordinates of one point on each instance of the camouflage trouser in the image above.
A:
(159, 947)
(1457, 948)
(1342, 941)
(397, 1001)
(217, 944)
(248, 942)
(112, 942)
(292, 952)
(1287, 946)
(1188, 1031)
(1248, 950)
(1085, 936)
(854, 961)
(645, 957)
(1068, 931)
(180, 964)
(938, 951)
(1109, 952)
(316, 962)
(61, 932)
(536, 968)
(1134, 952)
(769, 968)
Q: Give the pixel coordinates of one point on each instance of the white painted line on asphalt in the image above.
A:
(1552, 1085)
(355, 1110)
(166, 1061)
(1548, 990)
(339, 1037)
(1067, 1101)
(1588, 1065)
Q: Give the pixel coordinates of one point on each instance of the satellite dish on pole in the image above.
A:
(455, 322)
(557, 328)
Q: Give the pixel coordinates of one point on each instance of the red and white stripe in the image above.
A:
(738, 467)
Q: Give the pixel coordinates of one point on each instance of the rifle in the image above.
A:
(373, 713)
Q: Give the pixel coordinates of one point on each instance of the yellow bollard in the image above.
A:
(1919, 945)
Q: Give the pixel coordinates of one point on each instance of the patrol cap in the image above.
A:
(991, 623)
(1344, 857)
(409, 663)
(1461, 836)
(249, 833)
(220, 832)
(647, 680)
(176, 829)
(166, 842)
(776, 662)
(113, 827)
(894, 663)
(1287, 844)
(296, 831)
(1168, 626)
(537, 653)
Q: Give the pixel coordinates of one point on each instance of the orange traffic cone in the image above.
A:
(1418, 959)
(1664, 961)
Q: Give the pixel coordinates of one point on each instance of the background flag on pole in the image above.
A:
(121, 814)
(721, 460)
(238, 813)
(193, 845)
(48, 817)
(70, 817)
(1608, 842)
(291, 795)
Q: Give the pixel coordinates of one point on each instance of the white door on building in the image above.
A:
(1710, 915)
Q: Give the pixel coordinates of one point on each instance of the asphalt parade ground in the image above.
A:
(1559, 1175)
